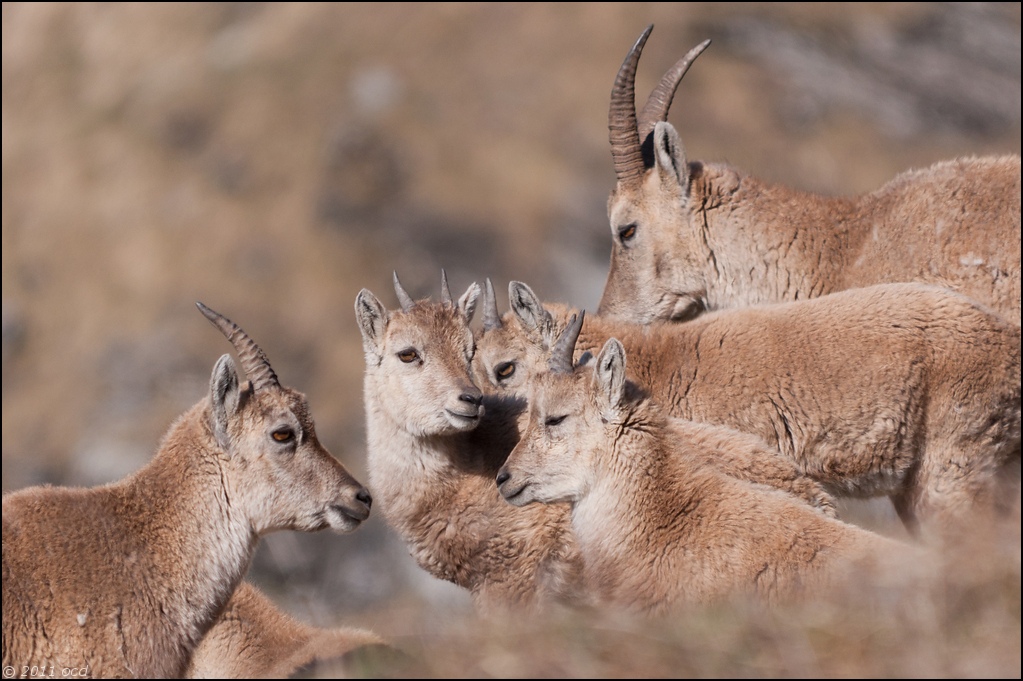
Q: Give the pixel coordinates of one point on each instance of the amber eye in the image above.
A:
(504, 370)
(408, 355)
(627, 232)
(554, 420)
(283, 435)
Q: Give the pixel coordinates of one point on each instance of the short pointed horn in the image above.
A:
(445, 292)
(659, 102)
(560, 361)
(404, 299)
(621, 120)
(491, 319)
(253, 360)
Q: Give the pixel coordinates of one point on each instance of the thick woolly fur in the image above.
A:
(435, 445)
(253, 639)
(689, 236)
(901, 390)
(657, 527)
(126, 578)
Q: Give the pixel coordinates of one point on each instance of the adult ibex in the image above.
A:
(123, 580)
(689, 236)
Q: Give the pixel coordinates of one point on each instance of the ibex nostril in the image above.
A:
(502, 477)
(365, 497)
(472, 397)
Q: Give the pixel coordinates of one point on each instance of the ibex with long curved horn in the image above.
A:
(689, 236)
(126, 578)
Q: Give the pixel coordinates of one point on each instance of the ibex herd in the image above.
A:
(758, 352)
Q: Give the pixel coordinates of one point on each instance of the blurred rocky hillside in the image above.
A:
(273, 159)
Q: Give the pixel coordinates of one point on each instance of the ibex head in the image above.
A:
(509, 351)
(657, 257)
(573, 411)
(277, 468)
(418, 360)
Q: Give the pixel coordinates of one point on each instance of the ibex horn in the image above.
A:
(445, 292)
(626, 151)
(560, 361)
(659, 102)
(254, 362)
(404, 299)
(491, 319)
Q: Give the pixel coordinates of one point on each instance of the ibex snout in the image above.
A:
(465, 411)
(512, 487)
(350, 508)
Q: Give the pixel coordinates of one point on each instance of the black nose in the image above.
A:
(472, 396)
(365, 497)
(502, 477)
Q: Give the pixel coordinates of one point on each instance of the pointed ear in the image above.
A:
(224, 397)
(372, 318)
(531, 313)
(609, 378)
(670, 157)
(467, 303)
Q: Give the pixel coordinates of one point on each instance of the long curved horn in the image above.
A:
(445, 292)
(621, 119)
(491, 319)
(560, 361)
(659, 102)
(404, 299)
(254, 362)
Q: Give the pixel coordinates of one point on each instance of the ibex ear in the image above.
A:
(467, 303)
(670, 156)
(609, 378)
(531, 313)
(372, 318)
(224, 397)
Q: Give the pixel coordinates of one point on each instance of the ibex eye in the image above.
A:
(504, 370)
(554, 420)
(627, 232)
(283, 435)
(408, 355)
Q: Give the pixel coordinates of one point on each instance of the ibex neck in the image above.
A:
(792, 244)
(192, 542)
(627, 487)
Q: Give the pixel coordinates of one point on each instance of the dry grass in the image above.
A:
(956, 617)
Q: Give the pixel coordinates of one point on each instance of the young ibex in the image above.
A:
(689, 236)
(657, 527)
(126, 578)
(434, 445)
(253, 639)
(908, 391)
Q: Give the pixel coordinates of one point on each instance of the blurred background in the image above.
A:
(273, 159)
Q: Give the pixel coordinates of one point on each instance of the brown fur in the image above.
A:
(902, 390)
(657, 527)
(253, 639)
(708, 236)
(433, 473)
(126, 578)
